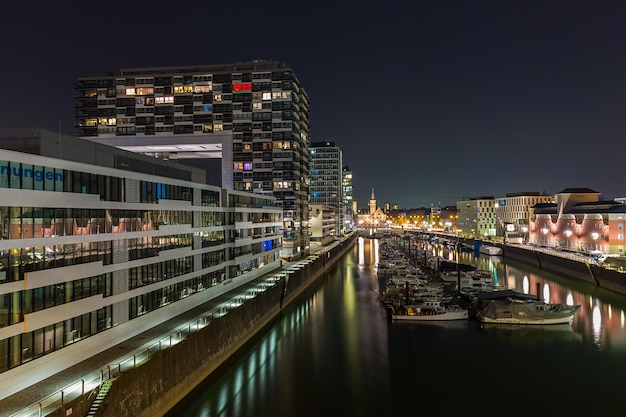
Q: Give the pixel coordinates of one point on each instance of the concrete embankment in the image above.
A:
(609, 279)
(155, 387)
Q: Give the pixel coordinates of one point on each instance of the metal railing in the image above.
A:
(95, 379)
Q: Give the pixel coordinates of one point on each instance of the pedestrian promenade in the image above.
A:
(24, 400)
(12, 405)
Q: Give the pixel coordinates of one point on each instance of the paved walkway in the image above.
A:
(35, 393)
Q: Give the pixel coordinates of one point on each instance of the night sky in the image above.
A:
(431, 102)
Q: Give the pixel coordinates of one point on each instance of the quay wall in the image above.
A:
(155, 387)
(609, 279)
(604, 276)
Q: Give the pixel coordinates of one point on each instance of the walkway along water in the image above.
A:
(156, 386)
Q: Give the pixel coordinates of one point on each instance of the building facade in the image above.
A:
(374, 217)
(99, 245)
(322, 224)
(348, 199)
(253, 115)
(513, 214)
(579, 221)
(327, 180)
(477, 217)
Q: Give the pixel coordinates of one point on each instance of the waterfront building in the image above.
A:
(375, 217)
(100, 244)
(513, 214)
(251, 117)
(327, 180)
(477, 217)
(322, 224)
(579, 221)
(348, 199)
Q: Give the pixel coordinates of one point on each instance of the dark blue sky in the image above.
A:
(430, 101)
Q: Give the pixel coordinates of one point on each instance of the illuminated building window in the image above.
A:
(247, 166)
(179, 89)
(242, 87)
(91, 122)
(130, 91)
(217, 127)
(164, 100)
(267, 96)
(144, 91)
(281, 94)
(217, 97)
(257, 106)
(202, 88)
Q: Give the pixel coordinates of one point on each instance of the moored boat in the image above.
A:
(515, 311)
(429, 311)
(490, 250)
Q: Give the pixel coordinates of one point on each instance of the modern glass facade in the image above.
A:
(326, 180)
(89, 252)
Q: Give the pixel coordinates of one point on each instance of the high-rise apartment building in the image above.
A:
(254, 116)
(326, 179)
(348, 198)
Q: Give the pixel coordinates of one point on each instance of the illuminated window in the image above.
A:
(90, 93)
(267, 96)
(247, 166)
(281, 94)
(207, 128)
(242, 87)
(202, 88)
(144, 91)
(149, 101)
(257, 106)
(91, 122)
(169, 99)
(217, 127)
(179, 89)
(130, 91)
(217, 97)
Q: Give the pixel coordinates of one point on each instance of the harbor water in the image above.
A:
(335, 353)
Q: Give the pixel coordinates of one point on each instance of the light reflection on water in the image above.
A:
(335, 354)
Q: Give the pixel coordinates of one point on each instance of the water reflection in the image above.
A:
(335, 353)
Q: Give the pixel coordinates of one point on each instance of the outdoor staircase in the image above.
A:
(104, 389)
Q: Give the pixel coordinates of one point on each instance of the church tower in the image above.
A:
(372, 204)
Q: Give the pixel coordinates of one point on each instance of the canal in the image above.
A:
(336, 354)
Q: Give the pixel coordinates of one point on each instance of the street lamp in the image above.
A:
(595, 236)
(568, 233)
